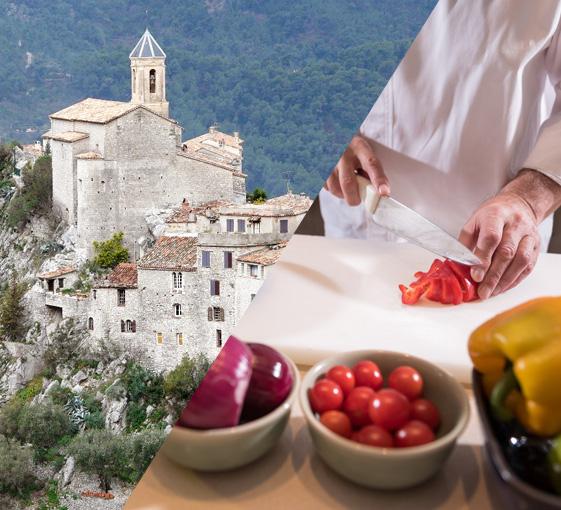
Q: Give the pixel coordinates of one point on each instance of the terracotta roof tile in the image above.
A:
(216, 147)
(182, 214)
(171, 252)
(66, 136)
(89, 155)
(264, 256)
(57, 272)
(124, 275)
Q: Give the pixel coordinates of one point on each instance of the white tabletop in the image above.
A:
(330, 295)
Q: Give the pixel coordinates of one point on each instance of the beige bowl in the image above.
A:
(231, 447)
(390, 468)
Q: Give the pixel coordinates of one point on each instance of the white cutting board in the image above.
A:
(330, 295)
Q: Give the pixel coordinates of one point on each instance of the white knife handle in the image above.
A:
(369, 195)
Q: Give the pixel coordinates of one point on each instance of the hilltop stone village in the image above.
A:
(198, 250)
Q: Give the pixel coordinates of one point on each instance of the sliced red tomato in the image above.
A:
(446, 282)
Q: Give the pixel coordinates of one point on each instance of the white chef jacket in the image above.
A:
(476, 98)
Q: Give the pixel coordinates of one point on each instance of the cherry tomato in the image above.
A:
(424, 410)
(414, 433)
(355, 435)
(368, 374)
(389, 409)
(343, 376)
(375, 436)
(326, 395)
(406, 380)
(337, 422)
(356, 405)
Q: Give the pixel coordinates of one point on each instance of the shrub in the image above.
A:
(44, 426)
(13, 325)
(136, 415)
(32, 389)
(140, 449)
(100, 453)
(143, 384)
(258, 196)
(111, 252)
(65, 345)
(16, 468)
(183, 380)
(36, 195)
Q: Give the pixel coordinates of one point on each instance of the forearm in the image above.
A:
(541, 194)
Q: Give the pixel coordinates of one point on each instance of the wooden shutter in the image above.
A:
(222, 314)
(133, 327)
(122, 326)
(210, 316)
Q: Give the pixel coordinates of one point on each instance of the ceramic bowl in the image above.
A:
(390, 468)
(232, 447)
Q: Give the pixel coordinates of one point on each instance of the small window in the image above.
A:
(159, 338)
(91, 324)
(215, 313)
(253, 270)
(205, 259)
(152, 81)
(252, 297)
(177, 310)
(179, 338)
(61, 283)
(228, 260)
(121, 297)
(241, 225)
(51, 285)
(215, 287)
(256, 227)
(218, 338)
(229, 225)
(177, 280)
(284, 226)
(94, 294)
(128, 326)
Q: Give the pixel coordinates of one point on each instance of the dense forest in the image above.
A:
(295, 79)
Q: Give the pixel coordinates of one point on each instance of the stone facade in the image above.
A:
(115, 165)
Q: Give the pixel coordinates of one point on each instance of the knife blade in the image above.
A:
(410, 225)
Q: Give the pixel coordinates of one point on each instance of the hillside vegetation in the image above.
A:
(295, 81)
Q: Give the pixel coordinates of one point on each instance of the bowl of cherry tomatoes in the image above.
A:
(384, 420)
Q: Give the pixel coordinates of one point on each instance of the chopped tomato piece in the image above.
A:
(446, 282)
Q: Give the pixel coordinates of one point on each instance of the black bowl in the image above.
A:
(536, 497)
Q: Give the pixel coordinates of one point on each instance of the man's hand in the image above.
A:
(503, 232)
(358, 156)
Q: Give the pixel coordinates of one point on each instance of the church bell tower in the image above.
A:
(148, 75)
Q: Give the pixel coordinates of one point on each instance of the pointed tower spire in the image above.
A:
(148, 74)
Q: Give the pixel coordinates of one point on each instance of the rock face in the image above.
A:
(25, 365)
(67, 472)
(115, 417)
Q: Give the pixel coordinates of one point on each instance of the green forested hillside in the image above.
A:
(295, 78)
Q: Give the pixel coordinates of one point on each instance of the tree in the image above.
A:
(183, 380)
(111, 252)
(16, 468)
(258, 196)
(13, 325)
(100, 453)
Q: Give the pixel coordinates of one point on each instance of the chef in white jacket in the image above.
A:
(467, 132)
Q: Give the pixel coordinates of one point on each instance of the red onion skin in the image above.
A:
(219, 399)
(270, 384)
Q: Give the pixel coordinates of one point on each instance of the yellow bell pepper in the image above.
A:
(528, 337)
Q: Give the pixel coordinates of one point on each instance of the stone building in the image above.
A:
(113, 161)
(188, 281)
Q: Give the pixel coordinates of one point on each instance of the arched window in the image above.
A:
(91, 324)
(152, 81)
(178, 312)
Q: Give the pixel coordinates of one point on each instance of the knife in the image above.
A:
(406, 223)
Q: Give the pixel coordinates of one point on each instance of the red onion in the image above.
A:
(270, 384)
(219, 399)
